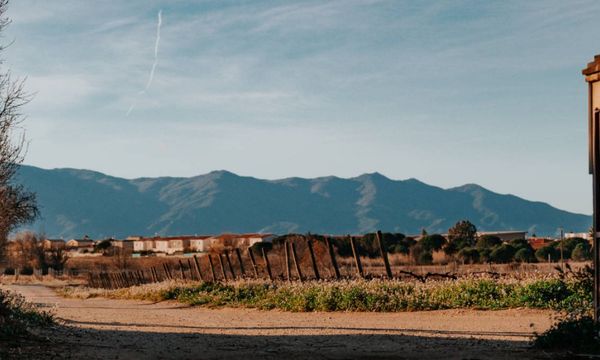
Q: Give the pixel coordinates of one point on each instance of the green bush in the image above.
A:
(581, 252)
(568, 245)
(469, 255)
(488, 241)
(432, 242)
(17, 316)
(548, 251)
(525, 255)
(579, 334)
(502, 254)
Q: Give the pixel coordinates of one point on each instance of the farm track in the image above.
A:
(118, 329)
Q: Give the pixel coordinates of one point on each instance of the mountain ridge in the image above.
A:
(75, 202)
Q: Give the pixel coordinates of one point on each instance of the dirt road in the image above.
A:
(114, 329)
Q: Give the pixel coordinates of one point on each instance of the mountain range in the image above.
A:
(81, 202)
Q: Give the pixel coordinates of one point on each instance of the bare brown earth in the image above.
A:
(116, 329)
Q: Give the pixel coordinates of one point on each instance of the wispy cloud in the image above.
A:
(154, 64)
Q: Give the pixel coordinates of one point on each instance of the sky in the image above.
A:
(448, 92)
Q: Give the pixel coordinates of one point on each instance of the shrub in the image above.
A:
(581, 252)
(469, 255)
(580, 334)
(433, 242)
(488, 242)
(425, 258)
(547, 252)
(524, 255)
(520, 244)
(17, 315)
(502, 254)
(568, 245)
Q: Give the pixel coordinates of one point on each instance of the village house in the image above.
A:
(126, 245)
(53, 244)
(200, 243)
(80, 245)
(193, 243)
(240, 240)
(143, 245)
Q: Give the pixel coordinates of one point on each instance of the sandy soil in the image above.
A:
(115, 329)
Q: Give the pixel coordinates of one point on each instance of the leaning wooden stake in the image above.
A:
(189, 262)
(153, 272)
(239, 257)
(229, 265)
(296, 262)
(267, 264)
(182, 270)
(313, 259)
(222, 267)
(383, 252)
(288, 270)
(332, 257)
(359, 267)
(253, 261)
(212, 268)
(198, 270)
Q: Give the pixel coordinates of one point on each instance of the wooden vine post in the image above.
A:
(253, 261)
(356, 255)
(229, 265)
(296, 261)
(222, 267)
(383, 252)
(198, 269)
(267, 264)
(239, 257)
(212, 268)
(288, 269)
(182, 270)
(313, 260)
(336, 269)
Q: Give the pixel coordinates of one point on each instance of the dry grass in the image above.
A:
(42, 280)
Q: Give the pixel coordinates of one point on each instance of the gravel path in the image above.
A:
(116, 329)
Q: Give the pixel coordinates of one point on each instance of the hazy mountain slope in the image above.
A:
(77, 202)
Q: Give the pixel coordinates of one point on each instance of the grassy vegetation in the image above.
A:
(558, 293)
(17, 316)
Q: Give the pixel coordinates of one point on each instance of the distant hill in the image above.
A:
(77, 202)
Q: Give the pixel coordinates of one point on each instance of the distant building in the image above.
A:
(505, 236)
(52, 244)
(80, 245)
(126, 245)
(582, 235)
(241, 240)
(141, 244)
(170, 245)
(538, 242)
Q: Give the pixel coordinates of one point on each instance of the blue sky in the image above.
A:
(449, 92)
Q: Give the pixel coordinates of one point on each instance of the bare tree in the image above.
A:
(17, 205)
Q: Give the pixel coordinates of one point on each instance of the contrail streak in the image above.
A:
(154, 64)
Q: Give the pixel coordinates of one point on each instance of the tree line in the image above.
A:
(462, 243)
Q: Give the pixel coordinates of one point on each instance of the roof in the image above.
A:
(184, 237)
(502, 232)
(242, 236)
(592, 67)
(55, 240)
